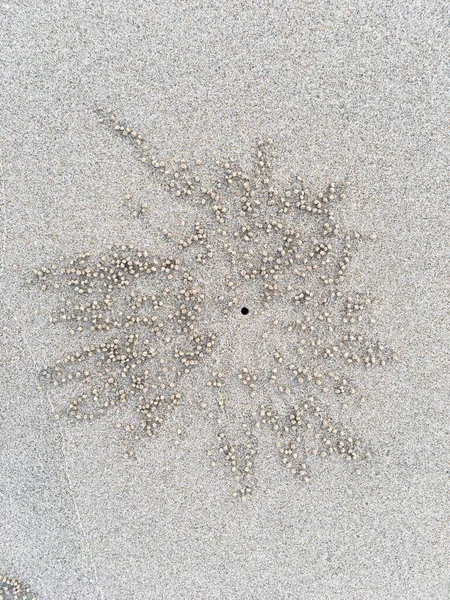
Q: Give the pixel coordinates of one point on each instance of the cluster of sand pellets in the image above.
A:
(13, 589)
(249, 320)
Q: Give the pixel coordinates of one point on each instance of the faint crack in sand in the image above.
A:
(60, 432)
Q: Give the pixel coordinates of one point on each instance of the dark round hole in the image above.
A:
(244, 310)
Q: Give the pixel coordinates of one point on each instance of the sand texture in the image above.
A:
(224, 301)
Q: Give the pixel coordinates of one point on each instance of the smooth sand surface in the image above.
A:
(347, 90)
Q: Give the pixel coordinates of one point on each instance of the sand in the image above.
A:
(348, 91)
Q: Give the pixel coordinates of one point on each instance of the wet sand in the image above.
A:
(348, 93)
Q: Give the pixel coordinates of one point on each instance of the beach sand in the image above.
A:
(349, 91)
